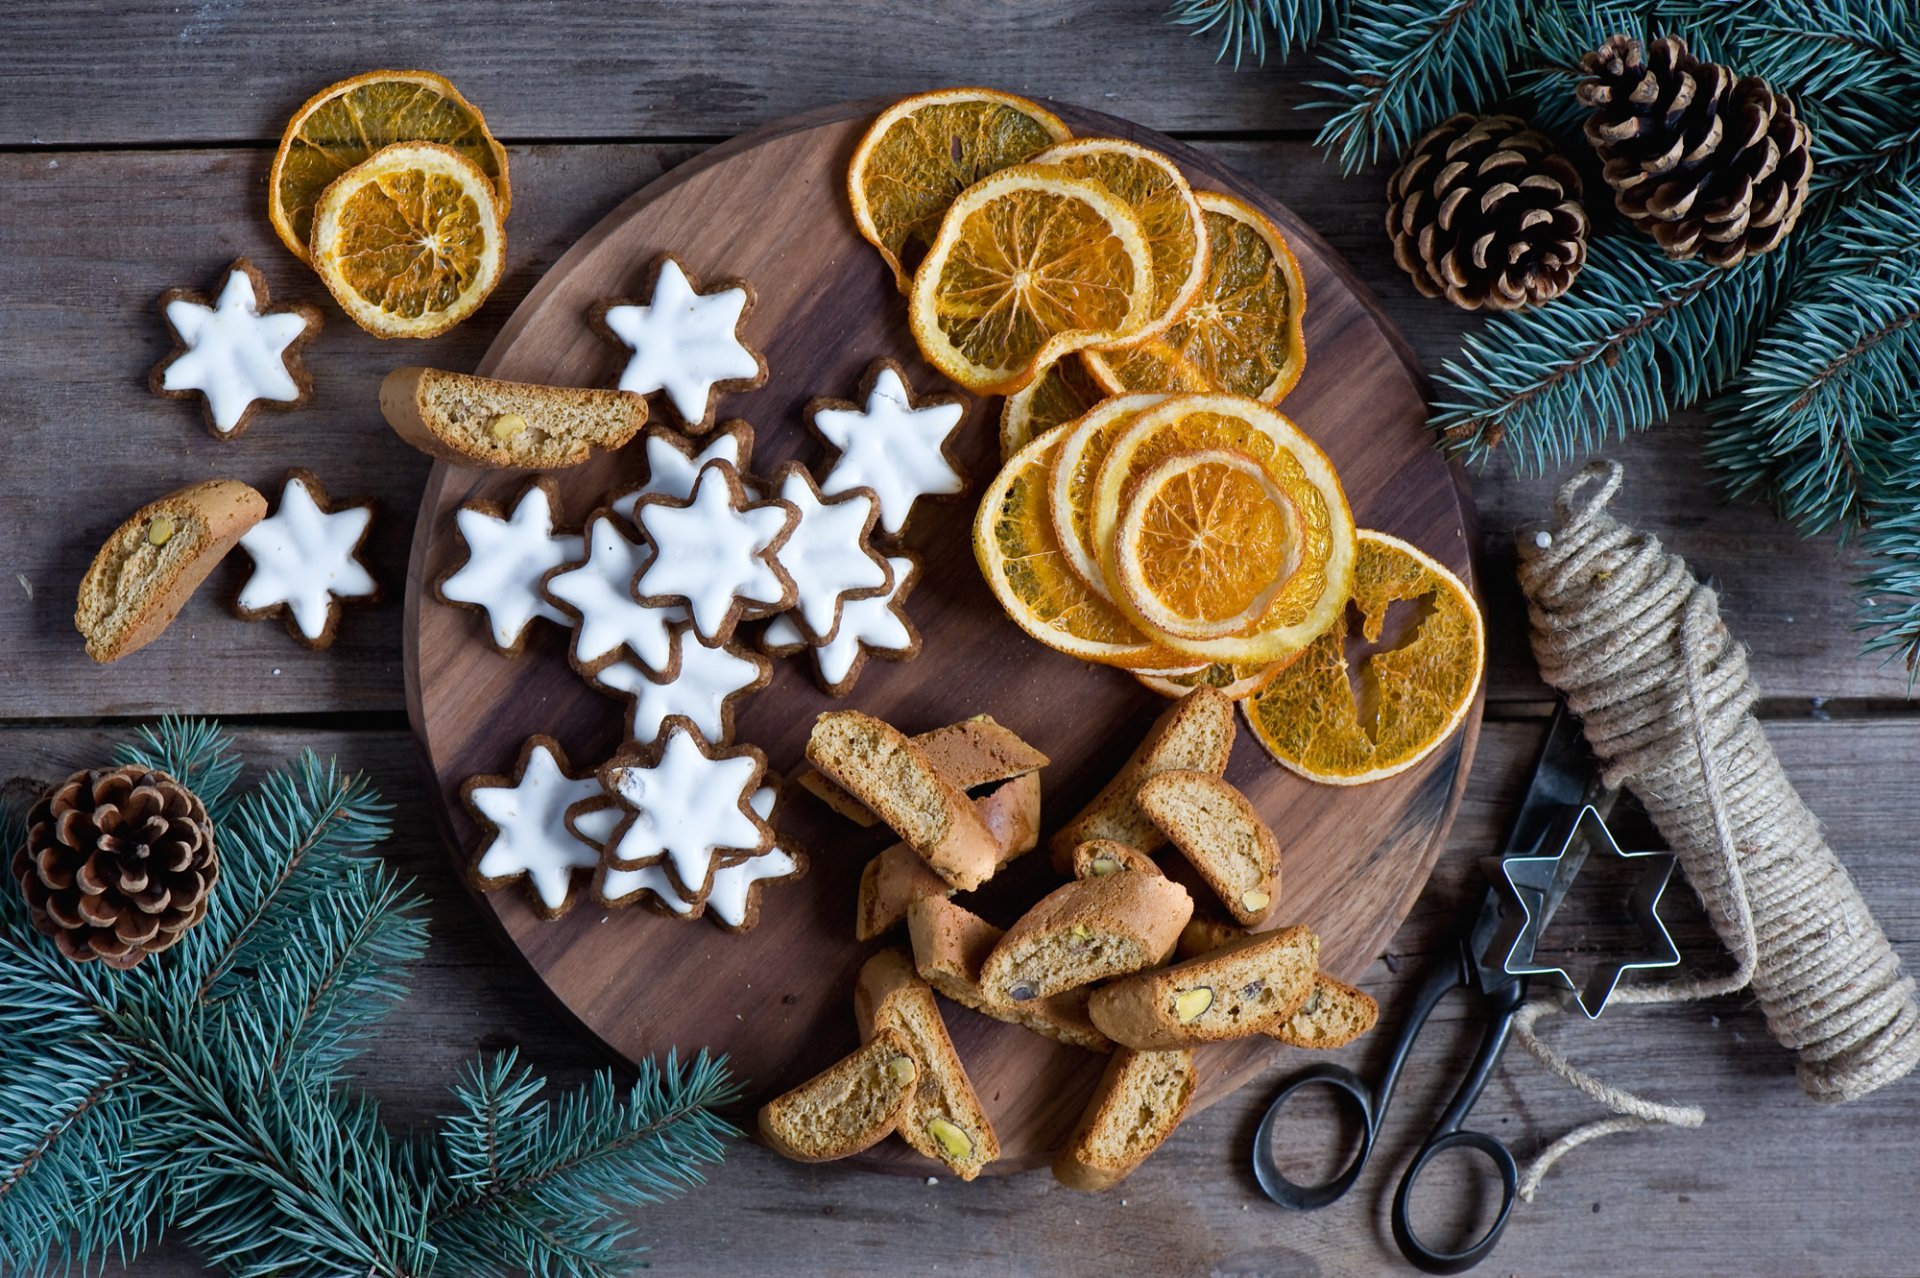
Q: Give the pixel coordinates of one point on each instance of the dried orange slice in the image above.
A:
(1205, 542)
(410, 242)
(1316, 587)
(1061, 392)
(1030, 263)
(1083, 447)
(1236, 681)
(923, 151)
(1023, 565)
(1410, 697)
(1242, 334)
(1159, 196)
(345, 123)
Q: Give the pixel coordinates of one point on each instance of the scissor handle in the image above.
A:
(1433, 1261)
(1266, 1164)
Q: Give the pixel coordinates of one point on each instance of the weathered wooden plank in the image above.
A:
(1773, 1185)
(88, 241)
(234, 70)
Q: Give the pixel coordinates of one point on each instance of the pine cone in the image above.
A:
(118, 864)
(1485, 212)
(1706, 164)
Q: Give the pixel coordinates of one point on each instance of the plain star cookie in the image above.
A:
(702, 688)
(508, 555)
(237, 352)
(733, 899)
(874, 627)
(306, 561)
(830, 553)
(674, 462)
(525, 819)
(684, 342)
(597, 594)
(685, 807)
(896, 445)
(715, 552)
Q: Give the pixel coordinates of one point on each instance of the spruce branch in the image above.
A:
(1246, 26)
(194, 752)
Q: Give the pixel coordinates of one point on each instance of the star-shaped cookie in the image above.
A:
(702, 688)
(733, 899)
(872, 627)
(598, 595)
(896, 445)
(305, 561)
(237, 353)
(684, 342)
(830, 553)
(508, 555)
(716, 553)
(674, 462)
(525, 816)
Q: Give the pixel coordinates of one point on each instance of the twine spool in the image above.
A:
(1636, 645)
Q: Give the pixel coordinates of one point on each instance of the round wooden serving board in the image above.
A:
(771, 208)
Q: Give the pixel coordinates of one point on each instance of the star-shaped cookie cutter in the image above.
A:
(1534, 887)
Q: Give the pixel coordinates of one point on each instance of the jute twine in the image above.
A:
(1637, 646)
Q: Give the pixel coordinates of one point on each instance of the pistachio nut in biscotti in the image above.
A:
(944, 1118)
(897, 877)
(1222, 837)
(951, 943)
(1098, 858)
(1089, 930)
(1195, 732)
(850, 1106)
(1243, 988)
(1140, 1099)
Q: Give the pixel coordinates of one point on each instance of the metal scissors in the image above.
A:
(1565, 781)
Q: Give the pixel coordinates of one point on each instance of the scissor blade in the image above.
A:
(1564, 777)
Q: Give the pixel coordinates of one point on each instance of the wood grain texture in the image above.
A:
(776, 999)
(1773, 1186)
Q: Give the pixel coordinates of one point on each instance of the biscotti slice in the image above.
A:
(1141, 1098)
(152, 564)
(969, 754)
(897, 877)
(848, 1107)
(1247, 987)
(1097, 858)
(1222, 837)
(1334, 1014)
(481, 421)
(1089, 930)
(944, 1117)
(876, 763)
(951, 942)
(1195, 732)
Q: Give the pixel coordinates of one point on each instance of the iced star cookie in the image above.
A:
(874, 627)
(237, 353)
(830, 553)
(508, 555)
(684, 342)
(703, 688)
(717, 553)
(685, 807)
(674, 462)
(733, 899)
(306, 561)
(525, 820)
(597, 595)
(897, 444)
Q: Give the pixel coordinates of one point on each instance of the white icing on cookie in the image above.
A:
(686, 811)
(711, 552)
(871, 622)
(506, 558)
(732, 886)
(303, 558)
(532, 837)
(671, 472)
(234, 354)
(892, 448)
(683, 342)
(698, 690)
(601, 591)
(828, 554)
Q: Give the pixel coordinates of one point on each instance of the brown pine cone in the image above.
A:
(117, 864)
(1485, 212)
(1707, 164)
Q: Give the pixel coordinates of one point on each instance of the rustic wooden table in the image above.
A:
(133, 150)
